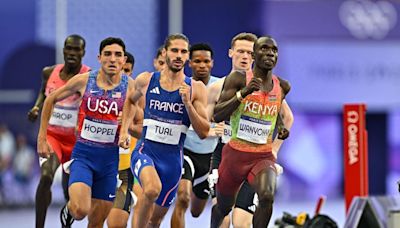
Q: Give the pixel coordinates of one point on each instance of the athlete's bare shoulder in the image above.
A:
(46, 72)
(285, 85)
(143, 79)
(236, 79)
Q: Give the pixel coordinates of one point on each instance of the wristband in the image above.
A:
(239, 96)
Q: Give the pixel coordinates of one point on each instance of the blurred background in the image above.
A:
(333, 52)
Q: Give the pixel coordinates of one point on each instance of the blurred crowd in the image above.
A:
(19, 169)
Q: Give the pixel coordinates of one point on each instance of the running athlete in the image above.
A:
(159, 60)
(129, 64)
(253, 104)
(241, 54)
(94, 160)
(172, 102)
(193, 188)
(124, 197)
(61, 130)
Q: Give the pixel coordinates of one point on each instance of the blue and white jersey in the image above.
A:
(194, 143)
(165, 117)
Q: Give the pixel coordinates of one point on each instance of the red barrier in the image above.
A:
(355, 152)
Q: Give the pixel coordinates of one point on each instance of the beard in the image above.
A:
(171, 66)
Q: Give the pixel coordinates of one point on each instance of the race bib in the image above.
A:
(98, 132)
(227, 133)
(163, 132)
(63, 117)
(253, 130)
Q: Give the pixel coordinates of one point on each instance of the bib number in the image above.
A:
(227, 133)
(163, 132)
(63, 117)
(253, 130)
(98, 132)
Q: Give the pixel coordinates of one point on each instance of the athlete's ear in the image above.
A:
(98, 58)
(84, 52)
(230, 53)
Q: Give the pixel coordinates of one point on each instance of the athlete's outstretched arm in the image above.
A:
(128, 114)
(34, 112)
(133, 102)
(228, 100)
(287, 119)
(74, 85)
(136, 127)
(196, 107)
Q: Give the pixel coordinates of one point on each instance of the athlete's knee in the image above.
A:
(116, 222)
(152, 191)
(265, 198)
(183, 199)
(46, 179)
(155, 221)
(78, 210)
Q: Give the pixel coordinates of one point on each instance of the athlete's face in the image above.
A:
(266, 53)
(177, 54)
(201, 63)
(112, 59)
(128, 69)
(73, 51)
(159, 63)
(241, 54)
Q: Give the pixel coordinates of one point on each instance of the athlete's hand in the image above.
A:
(43, 148)
(283, 133)
(254, 85)
(184, 91)
(33, 113)
(218, 129)
(213, 179)
(124, 140)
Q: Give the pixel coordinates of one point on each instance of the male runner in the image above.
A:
(124, 197)
(61, 131)
(129, 64)
(241, 54)
(94, 163)
(193, 188)
(172, 102)
(253, 103)
(159, 60)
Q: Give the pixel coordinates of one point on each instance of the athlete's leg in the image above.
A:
(227, 220)
(119, 214)
(241, 218)
(157, 216)
(264, 184)
(43, 192)
(197, 205)
(80, 200)
(151, 186)
(182, 203)
(98, 213)
(245, 206)
(221, 209)
(65, 181)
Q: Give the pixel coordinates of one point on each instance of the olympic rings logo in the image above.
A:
(366, 19)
